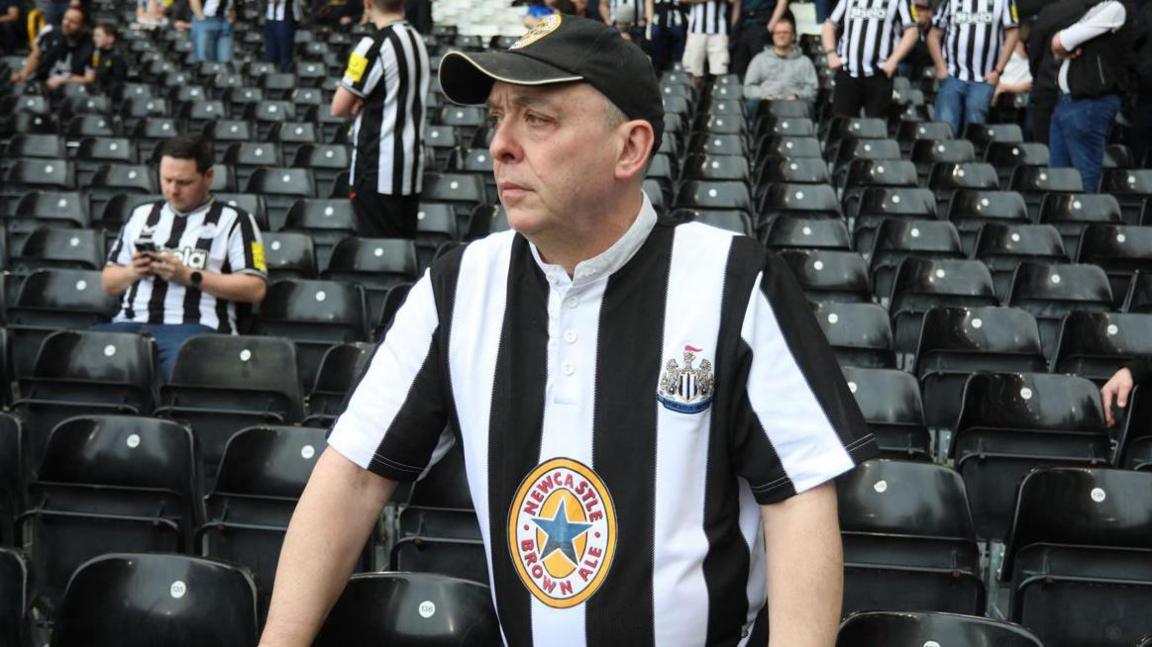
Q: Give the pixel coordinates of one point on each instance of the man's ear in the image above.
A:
(637, 149)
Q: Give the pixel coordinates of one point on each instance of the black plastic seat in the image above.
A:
(1077, 558)
(94, 152)
(879, 203)
(1012, 423)
(172, 600)
(435, 226)
(908, 539)
(37, 174)
(709, 195)
(11, 481)
(327, 161)
(223, 383)
(1002, 247)
(984, 135)
(890, 401)
(716, 168)
(1131, 187)
(1096, 344)
(797, 200)
(853, 148)
(246, 157)
(262, 474)
(36, 145)
(909, 132)
(1052, 290)
(926, 153)
(807, 233)
(281, 187)
(107, 484)
(858, 333)
(1035, 182)
(830, 275)
(462, 190)
(291, 135)
(13, 597)
(947, 178)
(376, 608)
(327, 221)
(922, 284)
(393, 299)
(1071, 213)
(114, 179)
(1139, 298)
(957, 342)
(919, 629)
(48, 208)
(863, 173)
(289, 255)
(972, 209)
(50, 247)
(717, 144)
(1120, 250)
(788, 147)
(377, 264)
(315, 315)
(151, 131)
(339, 369)
(1006, 156)
(795, 170)
(90, 125)
(900, 238)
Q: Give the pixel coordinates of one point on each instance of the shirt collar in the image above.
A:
(610, 260)
(185, 214)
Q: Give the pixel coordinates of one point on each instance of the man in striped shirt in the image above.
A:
(706, 48)
(970, 43)
(183, 263)
(649, 427)
(384, 88)
(666, 25)
(875, 36)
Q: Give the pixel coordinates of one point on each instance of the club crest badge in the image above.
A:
(687, 389)
(562, 532)
(546, 26)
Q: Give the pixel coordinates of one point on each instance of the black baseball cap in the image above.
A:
(563, 49)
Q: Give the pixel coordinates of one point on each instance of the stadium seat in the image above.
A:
(947, 178)
(246, 157)
(909, 132)
(138, 600)
(797, 200)
(81, 126)
(83, 371)
(269, 114)
(315, 315)
(327, 221)
(1051, 290)
(34, 174)
(443, 141)
(262, 474)
(291, 135)
(1012, 423)
(393, 299)
(922, 284)
(1139, 299)
(1006, 156)
(375, 263)
(890, 401)
(1096, 344)
(1076, 558)
(376, 608)
(1120, 250)
(435, 226)
(13, 597)
(852, 149)
(788, 147)
(1036, 182)
(707, 195)
(253, 203)
(807, 233)
(830, 275)
(462, 190)
(717, 144)
(863, 173)
(1002, 247)
(1131, 187)
(716, 168)
(327, 161)
(224, 132)
(1071, 213)
(94, 152)
(151, 132)
(923, 629)
(35, 146)
(223, 383)
(956, 342)
(114, 179)
(900, 238)
(490, 219)
(908, 539)
(289, 255)
(134, 109)
(984, 135)
(11, 482)
(972, 209)
(440, 505)
(36, 209)
(281, 187)
(105, 484)
(878, 203)
(858, 333)
(926, 153)
(339, 369)
(795, 170)
(196, 114)
(721, 124)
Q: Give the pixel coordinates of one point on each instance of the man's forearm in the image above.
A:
(934, 49)
(325, 538)
(906, 45)
(778, 12)
(115, 279)
(1010, 39)
(238, 288)
(828, 37)
(805, 569)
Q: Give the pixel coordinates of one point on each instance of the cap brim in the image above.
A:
(467, 77)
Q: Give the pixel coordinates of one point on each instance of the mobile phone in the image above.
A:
(146, 247)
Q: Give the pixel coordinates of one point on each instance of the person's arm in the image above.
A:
(809, 83)
(197, 7)
(237, 288)
(115, 279)
(1103, 18)
(907, 43)
(360, 78)
(605, 12)
(331, 522)
(754, 77)
(13, 15)
(1010, 37)
(937, 52)
(781, 7)
(805, 568)
(828, 40)
(735, 19)
(345, 104)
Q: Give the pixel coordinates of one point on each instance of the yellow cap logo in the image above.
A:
(562, 532)
(543, 28)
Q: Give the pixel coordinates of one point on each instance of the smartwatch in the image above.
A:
(195, 278)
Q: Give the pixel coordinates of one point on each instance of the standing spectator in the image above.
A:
(754, 22)
(280, 18)
(780, 71)
(919, 59)
(184, 262)
(212, 29)
(874, 39)
(706, 48)
(1044, 66)
(1141, 115)
(628, 16)
(1096, 72)
(384, 88)
(108, 65)
(10, 32)
(970, 43)
(69, 58)
(666, 30)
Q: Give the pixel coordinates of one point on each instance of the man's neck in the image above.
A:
(382, 20)
(782, 51)
(569, 249)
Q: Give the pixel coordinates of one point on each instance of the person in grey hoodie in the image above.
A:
(781, 71)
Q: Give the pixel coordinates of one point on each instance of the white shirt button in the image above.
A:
(572, 302)
(570, 336)
(567, 368)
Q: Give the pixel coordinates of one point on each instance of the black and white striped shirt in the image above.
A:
(637, 7)
(870, 31)
(215, 238)
(710, 17)
(390, 71)
(973, 34)
(667, 13)
(620, 428)
(216, 8)
(280, 10)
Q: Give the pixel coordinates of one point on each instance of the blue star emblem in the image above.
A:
(561, 533)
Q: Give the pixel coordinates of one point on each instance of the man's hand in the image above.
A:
(345, 20)
(992, 78)
(55, 82)
(142, 265)
(1118, 388)
(171, 268)
(941, 73)
(1060, 53)
(357, 106)
(18, 77)
(834, 62)
(889, 68)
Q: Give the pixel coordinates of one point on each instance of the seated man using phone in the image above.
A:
(183, 263)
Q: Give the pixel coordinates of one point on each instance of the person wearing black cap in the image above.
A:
(649, 428)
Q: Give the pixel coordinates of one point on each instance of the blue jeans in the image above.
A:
(168, 338)
(1079, 133)
(212, 39)
(279, 39)
(963, 102)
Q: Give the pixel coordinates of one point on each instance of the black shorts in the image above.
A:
(384, 216)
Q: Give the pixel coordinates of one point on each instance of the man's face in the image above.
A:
(184, 187)
(783, 35)
(72, 23)
(554, 155)
(102, 39)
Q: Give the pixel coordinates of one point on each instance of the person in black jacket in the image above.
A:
(1119, 386)
(108, 64)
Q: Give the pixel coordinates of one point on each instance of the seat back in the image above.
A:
(916, 628)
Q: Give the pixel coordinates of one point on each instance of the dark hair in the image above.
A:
(109, 29)
(789, 18)
(189, 147)
(389, 6)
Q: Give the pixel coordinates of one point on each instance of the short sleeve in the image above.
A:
(363, 71)
(399, 408)
(905, 14)
(1011, 17)
(246, 247)
(941, 18)
(121, 252)
(796, 425)
(839, 11)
